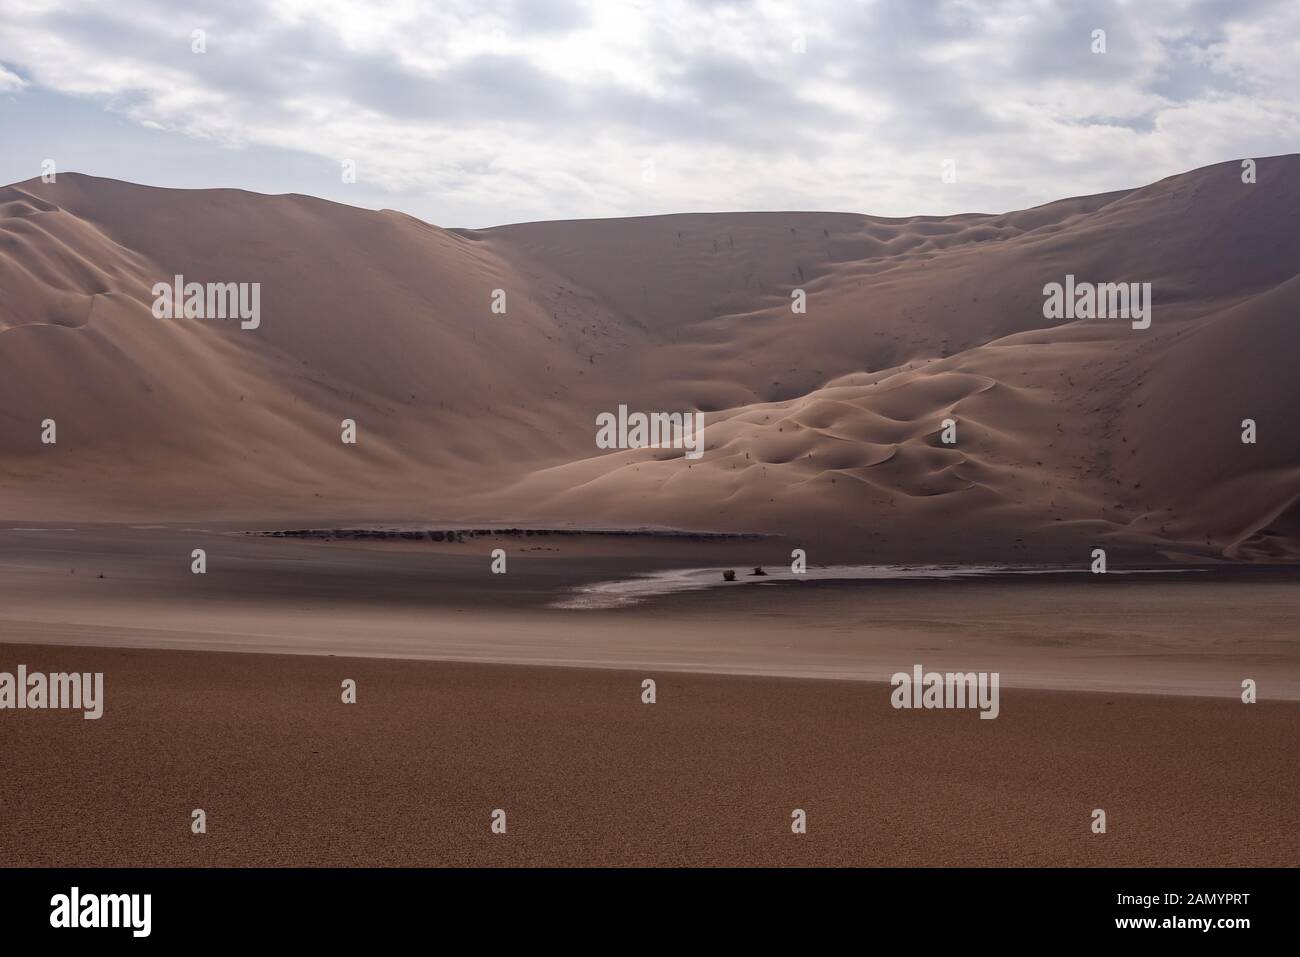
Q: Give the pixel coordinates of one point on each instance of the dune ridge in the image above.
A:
(822, 426)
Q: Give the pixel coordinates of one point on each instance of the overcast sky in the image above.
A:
(493, 111)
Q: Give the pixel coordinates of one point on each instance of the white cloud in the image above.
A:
(532, 109)
(10, 82)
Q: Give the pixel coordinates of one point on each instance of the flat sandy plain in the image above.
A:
(1119, 693)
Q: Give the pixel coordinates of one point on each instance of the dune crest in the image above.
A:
(826, 426)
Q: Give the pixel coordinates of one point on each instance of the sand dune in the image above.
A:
(823, 426)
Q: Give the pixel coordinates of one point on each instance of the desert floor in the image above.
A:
(587, 774)
(1119, 693)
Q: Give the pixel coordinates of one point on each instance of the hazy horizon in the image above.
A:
(700, 212)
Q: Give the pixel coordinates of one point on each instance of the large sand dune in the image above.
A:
(823, 426)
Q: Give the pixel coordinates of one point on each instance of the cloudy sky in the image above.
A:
(491, 111)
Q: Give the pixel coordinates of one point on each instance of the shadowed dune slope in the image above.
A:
(825, 425)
